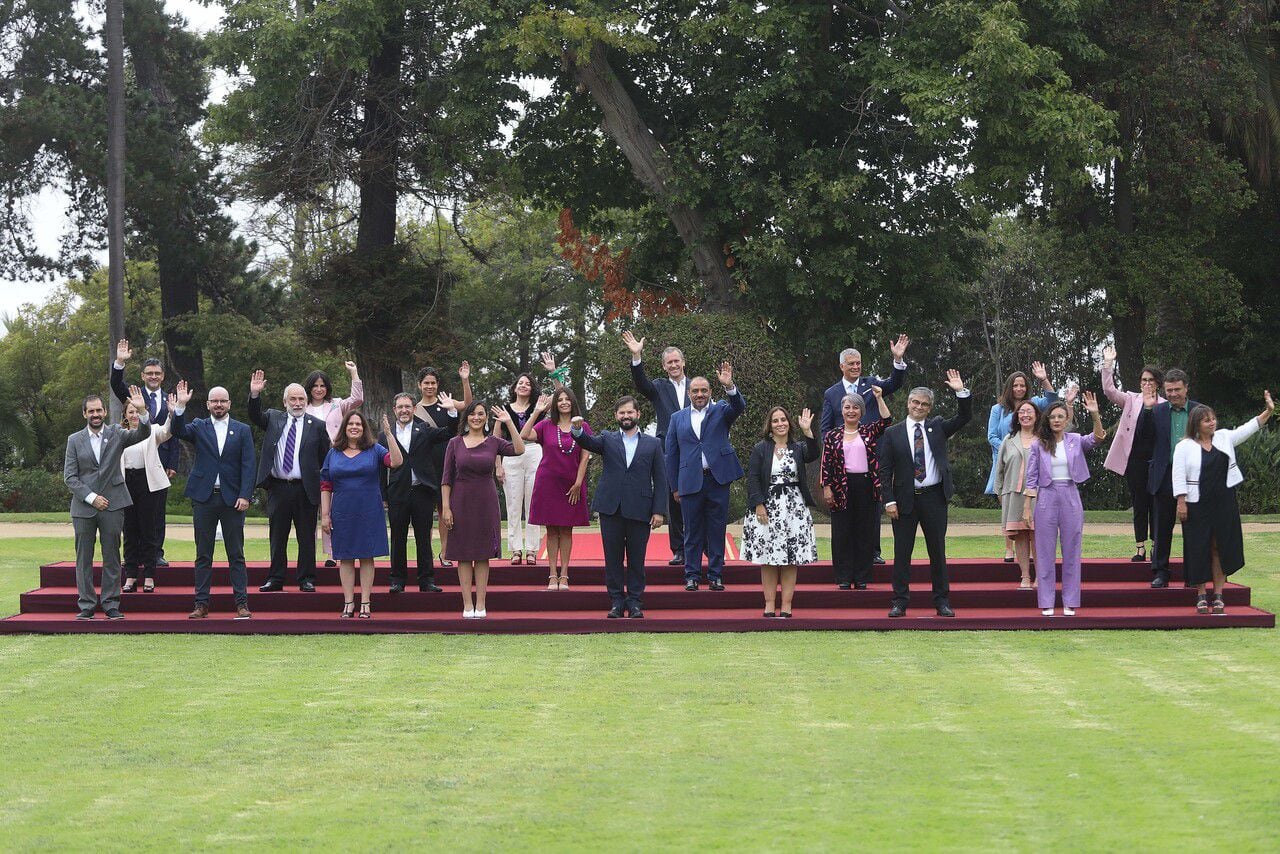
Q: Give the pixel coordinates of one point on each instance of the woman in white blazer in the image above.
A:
(145, 476)
(1205, 477)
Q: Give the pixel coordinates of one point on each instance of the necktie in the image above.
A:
(289, 442)
(155, 404)
(919, 454)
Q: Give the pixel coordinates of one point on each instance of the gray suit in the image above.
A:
(87, 475)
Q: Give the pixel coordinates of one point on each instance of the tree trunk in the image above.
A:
(1128, 312)
(379, 192)
(653, 169)
(113, 36)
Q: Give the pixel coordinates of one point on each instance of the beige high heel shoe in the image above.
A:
(551, 582)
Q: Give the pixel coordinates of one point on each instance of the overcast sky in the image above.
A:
(49, 210)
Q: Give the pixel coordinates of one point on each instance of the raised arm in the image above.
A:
(1108, 372)
(1087, 443)
(898, 350)
(257, 382)
(591, 441)
(118, 386)
(530, 426)
(392, 446)
(965, 402)
(464, 377)
(177, 418)
(143, 430)
(639, 379)
(1253, 425)
(882, 405)
(356, 399)
(737, 403)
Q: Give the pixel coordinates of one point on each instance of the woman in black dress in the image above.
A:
(1205, 477)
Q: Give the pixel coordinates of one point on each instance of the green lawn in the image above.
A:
(785, 741)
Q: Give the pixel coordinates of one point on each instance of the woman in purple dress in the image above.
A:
(559, 498)
(469, 501)
(351, 511)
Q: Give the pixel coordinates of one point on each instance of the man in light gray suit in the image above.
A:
(93, 473)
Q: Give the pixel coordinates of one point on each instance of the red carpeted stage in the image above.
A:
(1117, 595)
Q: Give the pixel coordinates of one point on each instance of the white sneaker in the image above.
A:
(480, 613)
(1048, 612)
(1068, 612)
(468, 614)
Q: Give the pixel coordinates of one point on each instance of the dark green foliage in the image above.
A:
(33, 490)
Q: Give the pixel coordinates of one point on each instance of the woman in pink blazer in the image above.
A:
(1130, 454)
(1055, 470)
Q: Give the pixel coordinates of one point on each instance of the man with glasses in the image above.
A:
(1170, 421)
(915, 478)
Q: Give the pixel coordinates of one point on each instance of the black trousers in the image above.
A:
(855, 532)
(416, 512)
(1164, 510)
(675, 526)
(289, 507)
(139, 525)
(1144, 523)
(206, 515)
(627, 538)
(930, 515)
(161, 502)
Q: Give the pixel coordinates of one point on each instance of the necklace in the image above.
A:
(560, 441)
(779, 451)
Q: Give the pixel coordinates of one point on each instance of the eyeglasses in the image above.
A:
(1151, 380)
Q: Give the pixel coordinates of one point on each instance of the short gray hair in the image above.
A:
(855, 399)
(847, 352)
(404, 394)
(670, 350)
(284, 395)
(921, 391)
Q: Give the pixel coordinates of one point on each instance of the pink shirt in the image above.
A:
(855, 455)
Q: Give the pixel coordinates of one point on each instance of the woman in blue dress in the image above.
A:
(1016, 389)
(351, 509)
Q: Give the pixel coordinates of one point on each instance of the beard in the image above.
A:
(626, 423)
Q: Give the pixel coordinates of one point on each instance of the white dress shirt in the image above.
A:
(931, 476)
(295, 471)
(95, 443)
(404, 435)
(220, 428)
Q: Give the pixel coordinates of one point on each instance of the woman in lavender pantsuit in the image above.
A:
(1055, 469)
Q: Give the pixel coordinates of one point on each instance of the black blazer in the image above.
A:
(634, 492)
(311, 449)
(1161, 456)
(419, 459)
(760, 468)
(170, 451)
(661, 394)
(897, 464)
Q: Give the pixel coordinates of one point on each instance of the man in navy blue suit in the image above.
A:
(157, 413)
(853, 382)
(219, 486)
(1170, 422)
(701, 463)
(631, 498)
(668, 395)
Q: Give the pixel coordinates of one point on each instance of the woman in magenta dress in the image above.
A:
(469, 501)
(559, 500)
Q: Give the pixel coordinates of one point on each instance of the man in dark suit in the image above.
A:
(293, 451)
(631, 498)
(170, 450)
(219, 486)
(411, 491)
(91, 470)
(853, 382)
(701, 463)
(668, 396)
(1170, 422)
(915, 478)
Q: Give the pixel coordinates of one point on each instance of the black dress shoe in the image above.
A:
(691, 586)
(676, 560)
(330, 563)
(637, 614)
(861, 585)
(877, 560)
(307, 587)
(396, 587)
(944, 610)
(844, 586)
(271, 587)
(896, 610)
(615, 612)
(1161, 579)
(161, 562)
(429, 587)
(716, 584)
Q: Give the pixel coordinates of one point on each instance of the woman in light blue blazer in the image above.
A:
(1016, 389)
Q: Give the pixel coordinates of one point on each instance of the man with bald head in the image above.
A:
(219, 486)
(294, 445)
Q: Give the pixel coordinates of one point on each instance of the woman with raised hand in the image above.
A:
(351, 510)
(1017, 388)
(1130, 454)
(333, 411)
(1205, 477)
(559, 500)
(469, 501)
(1011, 486)
(850, 478)
(145, 477)
(777, 533)
(1055, 469)
(519, 473)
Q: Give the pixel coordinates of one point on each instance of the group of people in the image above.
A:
(321, 459)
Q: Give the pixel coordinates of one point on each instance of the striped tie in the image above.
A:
(289, 442)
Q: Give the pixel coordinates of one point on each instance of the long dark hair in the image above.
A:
(533, 388)
(768, 423)
(1197, 416)
(1044, 431)
(554, 412)
(1006, 396)
(313, 379)
(463, 428)
(1014, 426)
(341, 442)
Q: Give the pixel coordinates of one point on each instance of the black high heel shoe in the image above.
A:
(1140, 556)
(364, 611)
(348, 610)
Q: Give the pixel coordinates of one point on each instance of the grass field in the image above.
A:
(1057, 741)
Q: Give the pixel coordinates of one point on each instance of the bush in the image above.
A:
(32, 491)
(1259, 461)
(765, 375)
